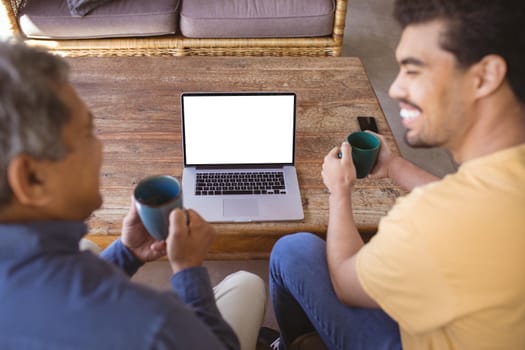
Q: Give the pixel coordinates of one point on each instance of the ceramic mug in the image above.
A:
(155, 198)
(365, 149)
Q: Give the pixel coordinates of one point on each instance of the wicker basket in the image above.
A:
(177, 45)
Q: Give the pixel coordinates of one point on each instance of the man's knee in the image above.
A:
(245, 283)
(295, 250)
(248, 281)
(241, 298)
(296, 245)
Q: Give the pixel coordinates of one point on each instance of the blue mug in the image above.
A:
(155, 198)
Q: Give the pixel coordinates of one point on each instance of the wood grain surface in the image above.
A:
(136, 104)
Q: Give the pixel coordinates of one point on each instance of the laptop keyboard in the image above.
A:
(240, 183)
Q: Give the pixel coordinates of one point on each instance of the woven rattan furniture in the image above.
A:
(178, 45)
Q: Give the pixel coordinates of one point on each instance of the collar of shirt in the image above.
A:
(24, 240)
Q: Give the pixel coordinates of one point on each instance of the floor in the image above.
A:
(372, 35)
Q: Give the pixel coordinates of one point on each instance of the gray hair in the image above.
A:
(32, 115)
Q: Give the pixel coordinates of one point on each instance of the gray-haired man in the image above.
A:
(54, 296)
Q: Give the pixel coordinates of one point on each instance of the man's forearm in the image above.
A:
(119, 255)
(343, 240)
(408, 175)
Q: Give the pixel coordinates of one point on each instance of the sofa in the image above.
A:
(180, 27)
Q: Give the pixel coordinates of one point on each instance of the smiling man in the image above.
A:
(445, 269)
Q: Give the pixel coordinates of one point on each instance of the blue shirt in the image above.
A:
(53, 296)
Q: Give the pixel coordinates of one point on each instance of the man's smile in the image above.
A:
(409, 114)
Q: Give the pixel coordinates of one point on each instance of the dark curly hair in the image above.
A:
(476, 28)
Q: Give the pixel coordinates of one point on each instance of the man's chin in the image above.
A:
(415, 142)
(95, 205)
(99, 202)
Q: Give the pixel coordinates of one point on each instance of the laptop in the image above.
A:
(239, 154)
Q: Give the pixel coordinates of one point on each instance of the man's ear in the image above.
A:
(26, 177)
(491, 73)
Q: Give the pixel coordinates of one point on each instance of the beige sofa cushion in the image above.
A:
(118, 18)
(256, 18)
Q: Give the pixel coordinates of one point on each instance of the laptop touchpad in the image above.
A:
(240, 207)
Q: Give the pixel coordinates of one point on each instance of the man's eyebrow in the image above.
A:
(412, 61)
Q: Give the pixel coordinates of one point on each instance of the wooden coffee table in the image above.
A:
(136, 103)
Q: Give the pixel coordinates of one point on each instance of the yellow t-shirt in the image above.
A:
(448, 261)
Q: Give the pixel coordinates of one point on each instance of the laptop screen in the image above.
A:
(238, 128)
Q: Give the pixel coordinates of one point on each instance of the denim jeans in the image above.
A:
(304, 300)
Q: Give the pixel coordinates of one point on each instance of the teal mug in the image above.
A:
(365, 150)
(155, 198)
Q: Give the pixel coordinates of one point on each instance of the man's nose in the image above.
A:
(397, 89)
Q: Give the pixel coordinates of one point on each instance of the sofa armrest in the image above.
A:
(8, 16)
(341, 7)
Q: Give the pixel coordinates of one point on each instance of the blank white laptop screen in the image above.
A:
(238, 129)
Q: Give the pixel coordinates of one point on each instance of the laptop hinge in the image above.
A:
(243, 166)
